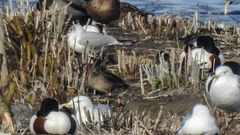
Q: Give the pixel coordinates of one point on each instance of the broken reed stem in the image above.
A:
(119, 61)
(209, 106)
(158, 118)
(45, 58)
(142, 125)
(83, 81)
(160, 26)
(210, 20)
(141, 80)
(140, 24)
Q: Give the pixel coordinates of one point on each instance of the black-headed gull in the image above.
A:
(79, 39)
(83, 105)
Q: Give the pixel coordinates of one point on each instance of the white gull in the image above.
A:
(82, 105)
(79, 39)
(199, 122)
(224, 89)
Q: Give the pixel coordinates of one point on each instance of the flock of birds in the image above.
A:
(223, 86)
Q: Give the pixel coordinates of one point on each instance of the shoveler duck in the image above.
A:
(52, 118)
(204, 53)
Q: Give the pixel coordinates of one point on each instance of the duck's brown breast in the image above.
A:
(103, 11)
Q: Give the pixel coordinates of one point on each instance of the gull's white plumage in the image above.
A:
(224, 89)
(82, 104)
(199, 122)
(78, 39)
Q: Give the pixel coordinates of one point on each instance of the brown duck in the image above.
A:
(103, 11)
(102, 80)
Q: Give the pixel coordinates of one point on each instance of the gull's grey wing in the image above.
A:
(96, 40)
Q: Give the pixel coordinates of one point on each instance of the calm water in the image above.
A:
(184, 8)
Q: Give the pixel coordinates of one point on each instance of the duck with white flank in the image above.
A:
(204, 53)
(79, 39)
(200, 122)
(83, 105)
(51, 119)
(224, 89)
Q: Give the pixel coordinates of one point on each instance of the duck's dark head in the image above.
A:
(207, 43)
(47, 106)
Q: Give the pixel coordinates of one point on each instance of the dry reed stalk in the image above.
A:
(210, 20)
(141, 25)
(141, 81)
(45, 59)
(158, 120)
(159, 29)
(195, 21)
(140, 124)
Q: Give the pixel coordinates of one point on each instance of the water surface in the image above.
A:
(186, 8)
(183, 8)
